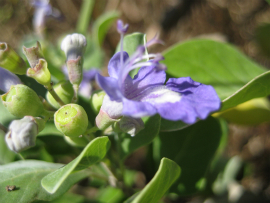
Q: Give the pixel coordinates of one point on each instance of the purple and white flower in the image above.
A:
(146, 94)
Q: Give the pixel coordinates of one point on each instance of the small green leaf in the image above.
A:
(102, 25)
(166, 175)
(130, 144)
(6, 155)
(213, 63)
(92, 153)
(192, 149)
(257, 87)
(26, 176)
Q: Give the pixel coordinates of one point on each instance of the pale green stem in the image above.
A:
(112, 179)
(85, 16)
(76, 90)
(121, 163)
(54, 94)
(3, 128)
(21, 157)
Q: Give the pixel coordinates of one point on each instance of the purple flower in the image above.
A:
(7, 79)
(146, 94)
(42, 10)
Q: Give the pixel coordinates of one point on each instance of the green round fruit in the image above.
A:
(22, 101)
(71, 120)
(64, 90)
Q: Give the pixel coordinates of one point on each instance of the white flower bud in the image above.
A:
(74, 45)
(22, 134)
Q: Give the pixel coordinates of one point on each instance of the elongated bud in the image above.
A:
(22, 133)
(96, 100)
(121, 27)
(71, 120)
(64, 90)
(74, 45)
(21, 101)
(40, 73)
(10, 60)
(33, 54)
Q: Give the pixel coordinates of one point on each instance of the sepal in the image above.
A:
(10, 60)
(40, 73)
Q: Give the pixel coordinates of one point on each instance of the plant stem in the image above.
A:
(22, 158)
(3, 128)
(53, 93)
(85, 16)
(120, 161)
(112, 179)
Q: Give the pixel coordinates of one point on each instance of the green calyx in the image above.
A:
(11, 61)
(71, 120)
(64, 90)
(22, 101)
(40, 73)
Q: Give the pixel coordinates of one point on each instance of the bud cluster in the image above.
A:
(33, 110)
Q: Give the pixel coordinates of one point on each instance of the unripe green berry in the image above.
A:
(22, 101)
(64, 90)
(71, 120)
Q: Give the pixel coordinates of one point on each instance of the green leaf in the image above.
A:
(167, 125)
(213, 63)
(130, 44)
(166, 175)
(252, 112)
(130, 144)
(5, 116)
(92, 153)
(6, 155)
(257, 87)
(192, 149)
(102, 25)
(26, 176)
(268, 1)
(110, 194)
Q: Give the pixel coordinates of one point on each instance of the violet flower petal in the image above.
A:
(114, 64)
(146, 77)
(137, 109)
(110, 86)
(197, 101)
(7, 79)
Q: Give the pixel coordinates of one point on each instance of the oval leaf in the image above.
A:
(26, 176)
(257, 87)
(192, 149)
(92, 153)
(167, 173)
